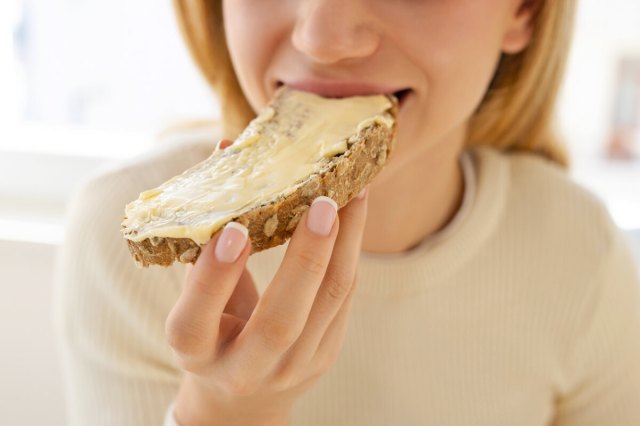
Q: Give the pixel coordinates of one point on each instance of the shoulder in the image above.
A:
(554, 232)
(534, 179)
(558, 238)
(122, 182)
(93, 257)
(100, 290)
(96, 207)
(543, 203)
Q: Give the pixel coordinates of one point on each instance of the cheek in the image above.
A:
(458, 56)
(250, 37)
(459, 83)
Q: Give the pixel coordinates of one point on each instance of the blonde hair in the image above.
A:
(516, 114)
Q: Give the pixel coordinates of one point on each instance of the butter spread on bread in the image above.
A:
(298, 135)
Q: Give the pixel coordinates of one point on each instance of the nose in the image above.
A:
(330, 31)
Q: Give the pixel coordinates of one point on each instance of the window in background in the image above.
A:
(109, 66)
(625, 130)
(605, 33)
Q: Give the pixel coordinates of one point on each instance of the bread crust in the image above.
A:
(273, 224)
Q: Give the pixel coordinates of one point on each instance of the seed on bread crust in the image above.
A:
(189, 255)
(297, 214)
(382, 157)
(271, 225)
(311, 187)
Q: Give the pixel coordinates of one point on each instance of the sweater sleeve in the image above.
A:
(604, 362)
(109, 315)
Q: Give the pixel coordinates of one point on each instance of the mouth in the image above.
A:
(402, 96)
(342, 92)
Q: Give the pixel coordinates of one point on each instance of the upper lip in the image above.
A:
(339, 89)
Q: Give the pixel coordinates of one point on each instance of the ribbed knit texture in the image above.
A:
(527, 312)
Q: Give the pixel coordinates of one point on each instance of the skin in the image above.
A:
(247, 359)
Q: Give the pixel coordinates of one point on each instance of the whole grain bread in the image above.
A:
(272, 222)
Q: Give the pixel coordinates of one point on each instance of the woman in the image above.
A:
(480, 285)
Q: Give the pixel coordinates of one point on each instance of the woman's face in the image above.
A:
(445, 51)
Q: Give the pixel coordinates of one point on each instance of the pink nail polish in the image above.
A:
(231, 242)
(321, 216)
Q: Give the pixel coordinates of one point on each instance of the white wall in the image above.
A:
(31, 386)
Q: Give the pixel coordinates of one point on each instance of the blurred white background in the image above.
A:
(85, 83)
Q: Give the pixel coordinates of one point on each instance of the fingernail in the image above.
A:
(362, 193)
(231, 242)
(321, 216)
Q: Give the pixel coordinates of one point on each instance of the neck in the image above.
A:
(415, 197)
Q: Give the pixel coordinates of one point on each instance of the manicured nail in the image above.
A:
(321, 216)
(231, 242)
(362, 193)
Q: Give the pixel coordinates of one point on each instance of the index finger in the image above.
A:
(193, 323)
(282, 311)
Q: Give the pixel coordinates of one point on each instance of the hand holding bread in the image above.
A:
(249, 359)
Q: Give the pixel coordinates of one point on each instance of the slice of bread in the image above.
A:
(299, 147)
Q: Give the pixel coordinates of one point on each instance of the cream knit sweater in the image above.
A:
(526, 311)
